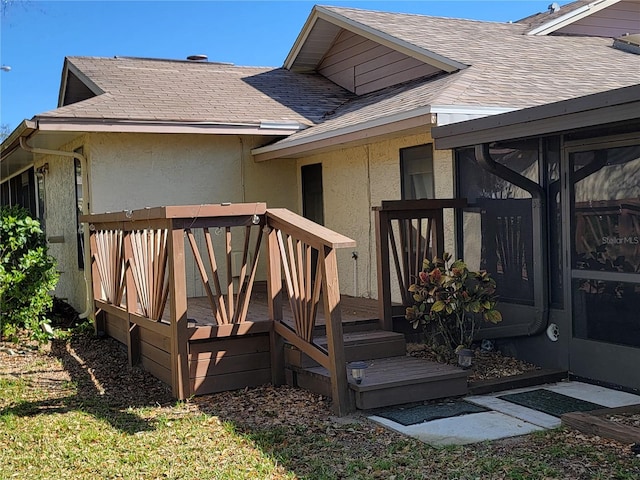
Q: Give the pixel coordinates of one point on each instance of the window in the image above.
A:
(497, 228)
(40, 198)
(20, 190)
(416, 165)
(79, 199)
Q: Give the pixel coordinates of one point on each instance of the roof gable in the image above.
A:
(326, 24)
(602, 18)
(362, 66)
(75, 86)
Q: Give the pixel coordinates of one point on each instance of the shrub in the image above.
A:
(27, 275)
(449, 298)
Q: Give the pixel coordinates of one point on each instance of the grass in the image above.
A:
(57, 428)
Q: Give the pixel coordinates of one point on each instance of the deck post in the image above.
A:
(335, 341)
(385, 314)
(178, 305)
(274, 299)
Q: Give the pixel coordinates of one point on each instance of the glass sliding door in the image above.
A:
(604, 240)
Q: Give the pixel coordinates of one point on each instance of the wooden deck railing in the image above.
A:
(407, 232)
(139, 265)
(306, 253)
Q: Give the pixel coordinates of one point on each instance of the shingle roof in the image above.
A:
(507, 68)
(165, 90)
(538, 19)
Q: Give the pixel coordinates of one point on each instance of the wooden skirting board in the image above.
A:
(596, 423)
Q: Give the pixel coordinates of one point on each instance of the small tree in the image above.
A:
(27, 275)
(448, 299)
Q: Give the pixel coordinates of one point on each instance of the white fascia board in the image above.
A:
(25, 128)
(359, 127)
(448, 114)
(301, 39)
(571, 17)
(123, 126)
(443, 63)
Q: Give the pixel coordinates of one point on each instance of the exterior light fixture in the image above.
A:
(464, 357)
(358, 371)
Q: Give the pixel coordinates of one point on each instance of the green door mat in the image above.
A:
(549, 402)
(425, 413)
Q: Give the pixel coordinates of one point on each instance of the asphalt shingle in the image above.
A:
(150, 89)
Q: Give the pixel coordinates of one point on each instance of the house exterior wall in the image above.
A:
(362, 66)
(131, 171)
(355, 179)
(61, 231)
(614, 21)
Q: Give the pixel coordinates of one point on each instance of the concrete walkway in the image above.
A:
(503, 418)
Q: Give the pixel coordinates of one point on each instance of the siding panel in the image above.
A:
(364, 66)
(614, 21)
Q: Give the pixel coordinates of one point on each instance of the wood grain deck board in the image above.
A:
(399, 371)
(352, 309)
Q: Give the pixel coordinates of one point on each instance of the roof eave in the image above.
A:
(446, 64)
(95, 125)
(352, 134)
(611, 106)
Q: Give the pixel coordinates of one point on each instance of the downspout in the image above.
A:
(539, 226)
(85, 211)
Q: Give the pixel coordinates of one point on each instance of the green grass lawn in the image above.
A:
(70, 414)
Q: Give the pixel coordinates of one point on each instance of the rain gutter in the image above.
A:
(85, 211)
(539, 227)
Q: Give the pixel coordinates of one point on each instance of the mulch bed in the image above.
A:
(485, 365)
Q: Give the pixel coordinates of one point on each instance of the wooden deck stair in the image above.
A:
(392, 377)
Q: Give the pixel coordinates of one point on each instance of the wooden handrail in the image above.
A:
(306, 253)
(304, 229)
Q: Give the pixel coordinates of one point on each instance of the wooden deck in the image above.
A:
(353, 310)
(240, 334)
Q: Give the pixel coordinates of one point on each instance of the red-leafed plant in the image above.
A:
(449, 299)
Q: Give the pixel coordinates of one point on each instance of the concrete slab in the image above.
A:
(594, 393)
(505, 419)
(464, 429)
(517, 411)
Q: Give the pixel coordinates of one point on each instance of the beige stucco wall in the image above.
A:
(354, 180)
(130, 171)
(61, 223)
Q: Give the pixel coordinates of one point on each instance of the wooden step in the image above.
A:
(348, 326)
(391, 381)
(358, 345)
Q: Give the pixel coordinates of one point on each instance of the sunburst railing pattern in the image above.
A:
(227, 305)
(108, 260)
(147, 264)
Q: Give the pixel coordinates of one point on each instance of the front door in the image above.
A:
(603, 236)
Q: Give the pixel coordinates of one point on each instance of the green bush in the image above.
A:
(448, 299)
(27, 275)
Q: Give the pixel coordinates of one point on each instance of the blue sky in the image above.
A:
(37, 35)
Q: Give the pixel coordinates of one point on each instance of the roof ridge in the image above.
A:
(469, 20)
(170, 60)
